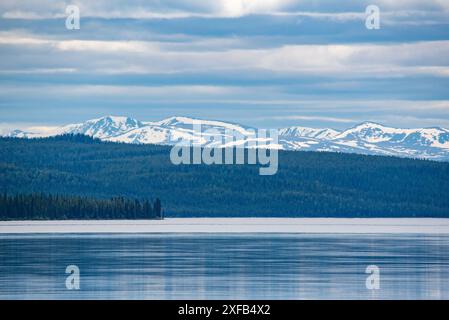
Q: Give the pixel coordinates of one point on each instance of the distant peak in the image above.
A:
(187, 120)
(370, 124)
(117, 118)
(308, 128)
(174, 120)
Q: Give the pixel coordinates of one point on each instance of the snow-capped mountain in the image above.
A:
(175, 129)
(378, 139)
(308, 132)
(105, 127)
(365, 138)
(102, 128)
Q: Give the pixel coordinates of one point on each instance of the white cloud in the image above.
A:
(236, 8)
(44, 9)
(173, 92)
(31, 9)
(413, 4)
(106, 46)
(376, 60)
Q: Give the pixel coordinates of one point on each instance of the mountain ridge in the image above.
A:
(364, 138)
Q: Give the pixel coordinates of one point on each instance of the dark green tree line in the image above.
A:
(60, 207)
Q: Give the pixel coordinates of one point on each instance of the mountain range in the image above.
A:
(365, 138)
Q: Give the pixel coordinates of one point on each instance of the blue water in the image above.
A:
(230, 266)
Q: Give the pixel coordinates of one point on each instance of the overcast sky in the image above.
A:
(266, 63)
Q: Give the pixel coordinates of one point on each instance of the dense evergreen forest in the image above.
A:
(41, 206)
(308, 184)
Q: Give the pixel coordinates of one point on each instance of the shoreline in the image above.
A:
(233, 225)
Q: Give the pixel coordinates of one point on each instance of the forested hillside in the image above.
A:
(307, 184)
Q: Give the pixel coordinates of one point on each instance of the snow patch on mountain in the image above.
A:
(308, 132)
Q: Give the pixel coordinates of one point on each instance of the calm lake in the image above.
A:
(226, 266)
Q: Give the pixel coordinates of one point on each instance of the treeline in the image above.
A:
(60, 207)
(81, 138)
(308, 184)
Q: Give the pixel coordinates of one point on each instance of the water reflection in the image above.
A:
(252, 266)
